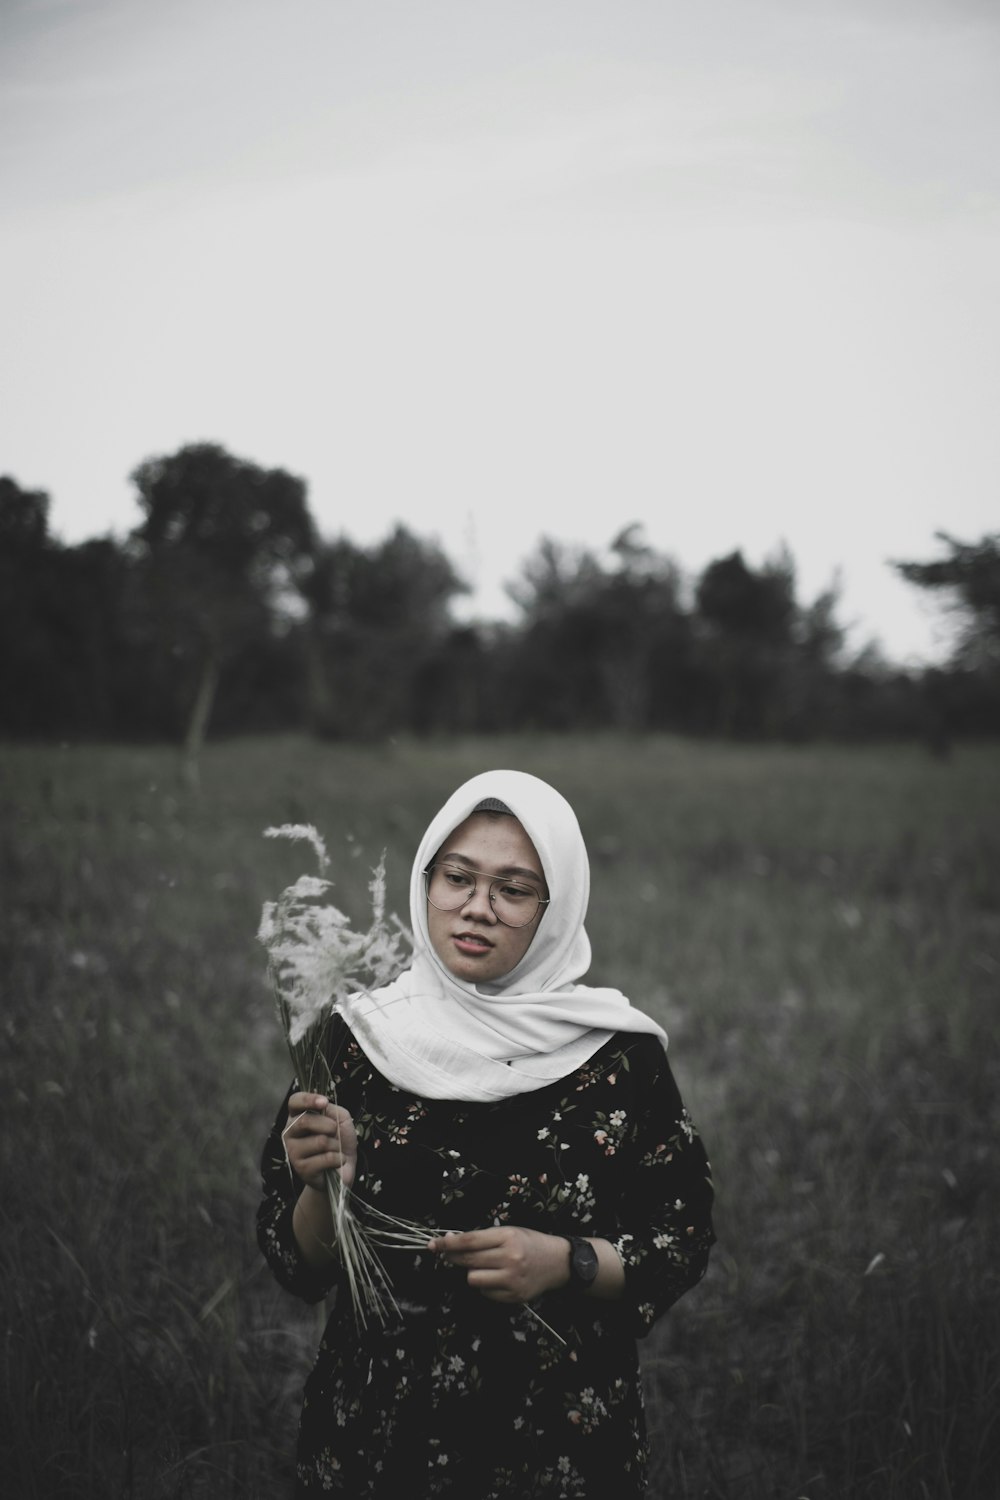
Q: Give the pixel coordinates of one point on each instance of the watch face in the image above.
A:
(583, 1262)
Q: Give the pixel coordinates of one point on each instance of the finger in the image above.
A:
(288, 1135)
(308, 1125)
(305, 1124)
(494, 1259)
(341, 1124)
(318, 1145)
(303, 1151)
(318, 1163)
(301, 1101)
(470, 1241)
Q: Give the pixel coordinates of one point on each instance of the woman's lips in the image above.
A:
(471, 944)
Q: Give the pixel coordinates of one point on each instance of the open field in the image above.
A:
(819, 929)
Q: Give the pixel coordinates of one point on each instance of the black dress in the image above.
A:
(461, 1396)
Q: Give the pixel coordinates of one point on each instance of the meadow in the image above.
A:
(818, 929)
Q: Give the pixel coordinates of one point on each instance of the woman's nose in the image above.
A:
(479, 903)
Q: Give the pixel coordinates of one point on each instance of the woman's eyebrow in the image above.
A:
(461, 859)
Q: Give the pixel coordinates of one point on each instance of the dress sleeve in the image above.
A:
(665, 1224)
(275, 1236)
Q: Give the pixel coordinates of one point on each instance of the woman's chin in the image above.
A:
(473, 971)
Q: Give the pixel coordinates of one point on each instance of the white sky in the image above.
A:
(729, 268)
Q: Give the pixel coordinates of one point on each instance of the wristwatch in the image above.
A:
(583, 1264)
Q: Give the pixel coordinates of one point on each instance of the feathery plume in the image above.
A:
(316, 960)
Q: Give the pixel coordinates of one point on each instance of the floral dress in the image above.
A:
(461, 1396)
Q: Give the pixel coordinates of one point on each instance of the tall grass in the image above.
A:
(819, 930)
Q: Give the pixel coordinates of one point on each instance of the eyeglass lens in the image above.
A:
(450, 887)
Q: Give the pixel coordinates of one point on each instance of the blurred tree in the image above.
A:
(24, 520)
(645, 635)
(554, 578)
(459, 686)
(551, 659)
(377, 618)
(810, 701)
(969, 575)
(63, 663)
(223, 547)
(25, 651)
(867, 697)
(748, 619)
(749, 605)
(769, 664)
(818, 633)
(601, 643)
(964, 697)
(99, 676)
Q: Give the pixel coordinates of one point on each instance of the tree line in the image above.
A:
(225, 609)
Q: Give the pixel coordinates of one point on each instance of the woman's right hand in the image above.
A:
(320, 1137)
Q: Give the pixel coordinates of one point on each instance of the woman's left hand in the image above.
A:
(507, 1264)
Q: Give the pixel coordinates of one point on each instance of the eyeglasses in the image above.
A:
(450, 887)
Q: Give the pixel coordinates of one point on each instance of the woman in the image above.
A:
(488, 1093)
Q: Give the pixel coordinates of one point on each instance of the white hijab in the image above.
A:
(443, 1038)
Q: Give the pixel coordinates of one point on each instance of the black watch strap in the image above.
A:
(583, 1264)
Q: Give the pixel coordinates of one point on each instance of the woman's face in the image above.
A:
(471, 942)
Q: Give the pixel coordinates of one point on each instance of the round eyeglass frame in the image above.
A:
(478, 875)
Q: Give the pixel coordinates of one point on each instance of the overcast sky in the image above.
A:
(728, 268)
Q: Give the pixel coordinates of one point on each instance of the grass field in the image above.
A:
(819, 929)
